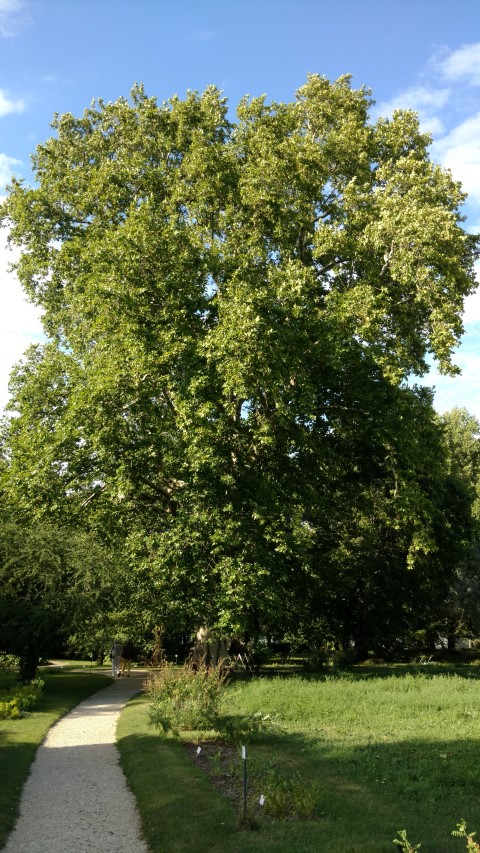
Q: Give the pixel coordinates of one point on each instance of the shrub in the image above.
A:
(189, 698)
(8, 662)
(344, 658)
(186, 697)
(290, 795)
(317, 660)
(22, 699)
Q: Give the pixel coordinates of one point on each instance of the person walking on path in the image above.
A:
(116, 656)
(76, 798)
(127, 657)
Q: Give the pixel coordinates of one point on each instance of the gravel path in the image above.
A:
(76, 799)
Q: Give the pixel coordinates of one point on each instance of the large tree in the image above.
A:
(233, 310)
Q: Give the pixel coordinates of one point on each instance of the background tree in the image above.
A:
(461, 438)
(52, 581)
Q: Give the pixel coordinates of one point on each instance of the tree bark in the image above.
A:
(28, 664)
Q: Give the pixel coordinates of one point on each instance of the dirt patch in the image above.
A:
(273, 793)
(221, 762)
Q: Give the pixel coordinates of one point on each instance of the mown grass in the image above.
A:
(19, 739)
(389, 749)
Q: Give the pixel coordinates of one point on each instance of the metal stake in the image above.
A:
(244, 756)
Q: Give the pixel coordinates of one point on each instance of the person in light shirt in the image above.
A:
(116, 656)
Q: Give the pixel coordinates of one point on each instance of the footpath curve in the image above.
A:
(76, 798)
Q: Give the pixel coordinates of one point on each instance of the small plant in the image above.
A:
(404, 846)
(285, 793)
(22, 699)
(188, 697)
(289, 794)
(461, 832)
(343, 658)
(403, 843)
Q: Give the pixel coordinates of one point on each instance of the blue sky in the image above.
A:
(56, 55)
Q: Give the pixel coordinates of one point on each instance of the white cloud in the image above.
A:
(463, 64)
(11, 14)
(471, 314)
(7, 168)
(459, 150)
(463, 390)
(19, 320)
(56, 80)
(200, 35)
(9, 106)
(425, 100)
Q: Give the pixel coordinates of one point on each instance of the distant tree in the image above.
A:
(51, 582)
(462, 440)
(233, 309)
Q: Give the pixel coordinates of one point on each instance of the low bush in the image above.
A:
(22, 699)
(317, 660)
(288, 795)
(186, 697)
(8, 662)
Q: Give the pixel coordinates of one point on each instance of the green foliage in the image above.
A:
(290, 795)
(461, 437)
(461, 832)
(52, 579)
(8, 662)
(403, 843)
(241, 729)
(189, 697)
(21, 700)
(186, 697)
(232, 312)
(285, 793)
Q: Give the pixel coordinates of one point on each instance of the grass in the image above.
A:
(19, 739)
(180, 810)
(388, 748)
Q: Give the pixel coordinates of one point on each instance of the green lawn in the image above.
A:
(19, 739)
(384, 749)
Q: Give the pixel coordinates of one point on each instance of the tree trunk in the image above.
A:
(28, 664)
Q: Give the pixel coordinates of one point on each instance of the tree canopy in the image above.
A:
(233, 310)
